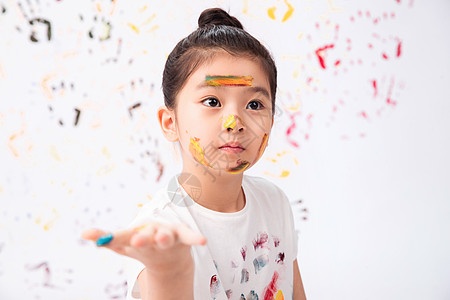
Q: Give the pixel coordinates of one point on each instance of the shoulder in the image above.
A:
(157, 209)
(262, 185)
(266, 193)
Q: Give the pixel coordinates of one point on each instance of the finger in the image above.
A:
(92, 234)
(165, 237)
(144, 235)
(189, 237)
(107, 239)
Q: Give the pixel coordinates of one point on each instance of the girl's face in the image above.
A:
(223, 116)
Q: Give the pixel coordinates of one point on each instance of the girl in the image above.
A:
(214, 233)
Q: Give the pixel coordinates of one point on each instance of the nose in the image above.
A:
(233, 123)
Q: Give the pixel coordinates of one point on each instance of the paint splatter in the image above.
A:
(291, 128)
(375, 88)
(245, 275)
(260, 262)
(48, 25)
(320, 54)
(229, 80)
(271, 12)
(229, 293)
(47, 273)
(133, 107)
(77, 116)
(289, 12)
(300, 209)
(389, 93)
(399, 48)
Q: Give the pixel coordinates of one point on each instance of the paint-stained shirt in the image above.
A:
(249, 254)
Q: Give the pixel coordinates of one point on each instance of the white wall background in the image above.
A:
(369, 162)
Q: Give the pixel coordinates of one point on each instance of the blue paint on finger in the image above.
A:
(104, 239)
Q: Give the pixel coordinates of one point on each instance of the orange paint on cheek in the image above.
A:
(263, 145)
(197, 152)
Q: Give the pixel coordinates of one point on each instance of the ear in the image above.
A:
(166, 118)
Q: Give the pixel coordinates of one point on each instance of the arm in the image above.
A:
(299, 292)
(179, 285)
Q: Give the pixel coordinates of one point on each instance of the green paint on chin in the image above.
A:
(243, 165)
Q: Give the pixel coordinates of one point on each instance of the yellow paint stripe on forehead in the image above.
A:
(229, 80)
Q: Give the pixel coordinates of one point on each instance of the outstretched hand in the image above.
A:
(160, 247)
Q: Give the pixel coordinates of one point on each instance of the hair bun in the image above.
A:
(217, 16)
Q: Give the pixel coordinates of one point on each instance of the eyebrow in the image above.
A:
(254, 89)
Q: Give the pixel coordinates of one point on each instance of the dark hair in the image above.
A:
(217, 31)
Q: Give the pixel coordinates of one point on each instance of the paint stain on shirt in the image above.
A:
(260, 262)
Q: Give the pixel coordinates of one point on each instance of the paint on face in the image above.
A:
(243, 165)
(229, 80)
(263, 146)
(197, 152)
(230, 122)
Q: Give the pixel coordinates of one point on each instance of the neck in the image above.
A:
(220, 192)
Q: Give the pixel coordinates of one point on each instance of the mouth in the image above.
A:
(232, 147)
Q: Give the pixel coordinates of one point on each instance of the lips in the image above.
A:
(232, 147)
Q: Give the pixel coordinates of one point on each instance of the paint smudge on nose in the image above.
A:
(271, 288)
(197, 152)
(244, 275)
(242, 166)
(260, 262)
(229, 80)
(230, 122)
(214, 286)
(263, 145)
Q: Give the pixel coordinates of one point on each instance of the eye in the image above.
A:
(211, 102)
(255, 105)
